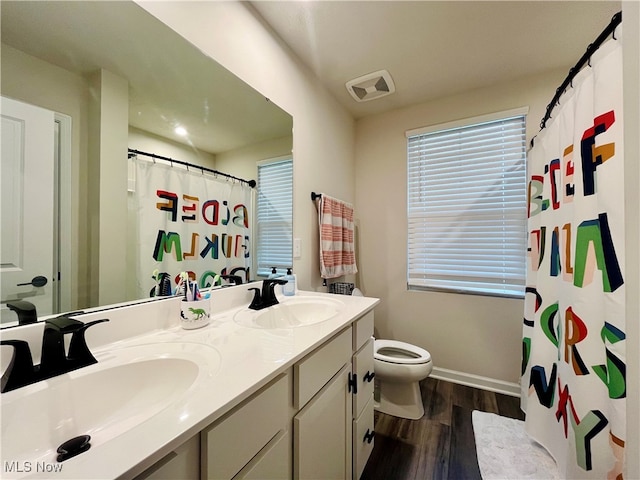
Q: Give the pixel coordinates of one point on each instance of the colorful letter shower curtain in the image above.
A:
(573, 373)
(190, 222)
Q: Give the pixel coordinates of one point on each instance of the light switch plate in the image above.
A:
(296, 248)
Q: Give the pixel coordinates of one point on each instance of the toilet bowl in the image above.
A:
(399, 368)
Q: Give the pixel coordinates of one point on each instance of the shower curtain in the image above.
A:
(189, 221)
(573, 369)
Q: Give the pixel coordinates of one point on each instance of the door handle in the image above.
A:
(37, 281)
(369, 377)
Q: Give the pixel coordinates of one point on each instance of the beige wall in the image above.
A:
(150, 143)
(466, 333)
(323, 145)
(109, 133)
(243, 162)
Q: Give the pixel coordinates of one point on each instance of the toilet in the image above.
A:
(399, 368)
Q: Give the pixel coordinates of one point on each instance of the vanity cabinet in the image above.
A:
(313, 421)
(252, 441)
(333, 393)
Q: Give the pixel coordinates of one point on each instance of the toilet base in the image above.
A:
(400, 400)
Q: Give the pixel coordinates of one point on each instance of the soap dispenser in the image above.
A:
(289, 288)
(274, 273)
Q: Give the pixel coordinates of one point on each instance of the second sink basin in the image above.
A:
(291, 313)
(125, 388)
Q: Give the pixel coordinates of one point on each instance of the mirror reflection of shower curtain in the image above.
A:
(573, 368)
(192, 222)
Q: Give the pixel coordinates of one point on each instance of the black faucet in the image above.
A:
(54, 360)
(234, 279)
(26, 311)
(268, 296)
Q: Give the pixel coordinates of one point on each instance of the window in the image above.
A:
(467, 206)
(274, 216)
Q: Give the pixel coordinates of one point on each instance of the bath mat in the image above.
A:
(505, 451)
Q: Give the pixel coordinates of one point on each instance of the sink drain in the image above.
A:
(73, 447)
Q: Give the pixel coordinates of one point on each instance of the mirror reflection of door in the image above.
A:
(27, 177)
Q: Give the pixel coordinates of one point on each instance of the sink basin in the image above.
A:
(126, 387)
(291, 313)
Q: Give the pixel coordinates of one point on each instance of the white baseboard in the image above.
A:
(477, 381)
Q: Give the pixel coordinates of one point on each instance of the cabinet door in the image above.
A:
(362, 438)
(363, 369)
(323, 432)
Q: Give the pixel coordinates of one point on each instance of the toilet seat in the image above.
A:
(407, 354)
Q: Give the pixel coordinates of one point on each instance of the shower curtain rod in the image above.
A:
(133, 152)
(585, 59)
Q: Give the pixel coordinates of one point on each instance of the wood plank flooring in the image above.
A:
(441, 444)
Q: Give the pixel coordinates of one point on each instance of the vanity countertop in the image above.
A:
(244, 358)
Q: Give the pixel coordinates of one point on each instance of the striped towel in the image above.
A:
(337, 247)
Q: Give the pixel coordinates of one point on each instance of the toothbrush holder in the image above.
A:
(194, 314)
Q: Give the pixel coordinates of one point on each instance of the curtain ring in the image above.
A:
(571, 75)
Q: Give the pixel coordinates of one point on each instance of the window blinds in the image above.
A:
(467, 208)
(274, 217)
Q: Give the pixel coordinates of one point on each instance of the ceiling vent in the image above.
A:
(369, 87)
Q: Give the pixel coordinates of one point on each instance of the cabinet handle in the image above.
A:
(353, 383)
(368, 437)
(369, 376)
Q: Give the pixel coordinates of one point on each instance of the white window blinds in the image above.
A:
(274, 216)
(467, 208)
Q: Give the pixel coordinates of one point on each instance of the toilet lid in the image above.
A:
(395, 351)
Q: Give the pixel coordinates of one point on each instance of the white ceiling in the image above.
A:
(433, 49)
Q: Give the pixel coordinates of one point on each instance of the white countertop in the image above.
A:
(247, 358)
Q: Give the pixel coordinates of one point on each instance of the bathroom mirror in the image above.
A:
(51, 54)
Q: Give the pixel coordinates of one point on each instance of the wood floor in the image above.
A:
(441, 445)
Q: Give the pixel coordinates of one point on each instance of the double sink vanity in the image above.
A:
(279, 392)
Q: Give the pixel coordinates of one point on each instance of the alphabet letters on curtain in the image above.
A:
(573, 369)
(190, 222)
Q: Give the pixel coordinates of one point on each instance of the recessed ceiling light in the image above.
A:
(180, 131)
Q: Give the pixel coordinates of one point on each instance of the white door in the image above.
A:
(26, 206)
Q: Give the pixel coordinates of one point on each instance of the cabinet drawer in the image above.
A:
(230, 443)
(183, 463)
(362, 439)
(363, 369)
(362, 330)
(315, 370)
(274, 463)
